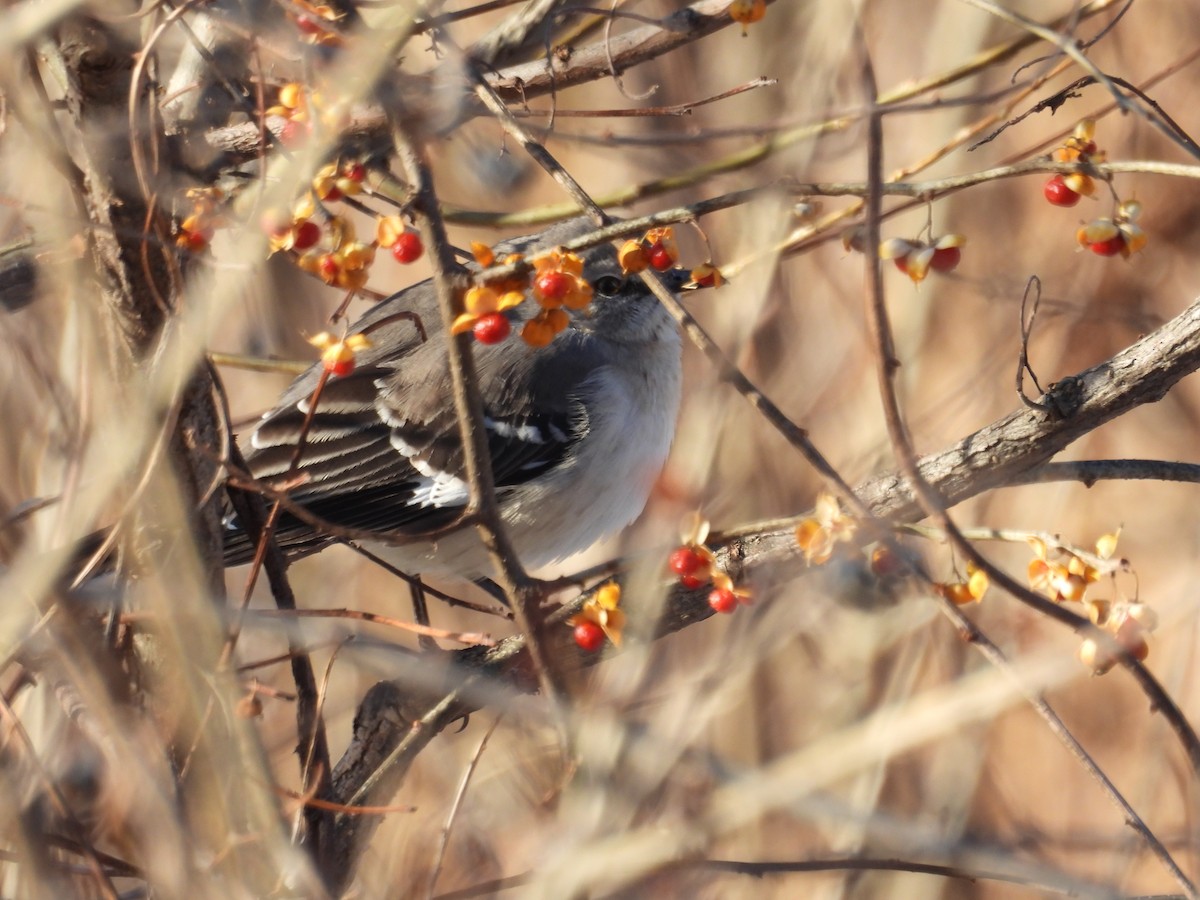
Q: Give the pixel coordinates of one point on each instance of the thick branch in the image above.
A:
(997, 454)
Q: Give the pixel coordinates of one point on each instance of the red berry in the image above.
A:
(660, 257)
(328, 267)
(193, 241)
(308, 25)
(306, 234)
(553, 285)
(293, 133)
(1111, 247)
(492, 328)
(1057, 192)
(885, 563)
(691, 582)
(901, 263)
(723, 600)
(408, 247)
(589, 636)
(945, 259)
(355, 172)
(332, 194)
(685, 561)
(341, 368)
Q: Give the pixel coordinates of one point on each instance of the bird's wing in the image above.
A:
(364, 466)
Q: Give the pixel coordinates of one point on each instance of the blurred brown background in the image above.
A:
(825, 721)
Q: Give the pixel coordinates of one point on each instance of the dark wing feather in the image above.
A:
(362, 469)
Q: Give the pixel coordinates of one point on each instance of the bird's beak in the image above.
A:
(678, 280)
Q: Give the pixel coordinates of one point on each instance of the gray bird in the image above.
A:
(577, 430)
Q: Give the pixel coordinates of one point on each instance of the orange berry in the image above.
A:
(746, 12)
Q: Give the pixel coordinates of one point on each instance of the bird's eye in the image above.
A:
(608, 285)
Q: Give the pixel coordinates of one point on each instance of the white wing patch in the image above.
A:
(530, 434)
(434, 488)
(440, 490)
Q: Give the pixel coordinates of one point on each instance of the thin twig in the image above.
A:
(455, 806)
(524, 594)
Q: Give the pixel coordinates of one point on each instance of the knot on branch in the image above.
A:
(1064, 398)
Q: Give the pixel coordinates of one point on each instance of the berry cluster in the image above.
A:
(344, 261)
(317, 24)
(328, 248)
(339, 355)
(706, 275)
(915, 258)
(694, 566)
(656, 250)
(821, 533)
(296, 105)
(1064, 575)
(966, 591)
(395, 234)
(484, 317)
(333, 182)
(198, 227)
(1128, 623)
(556, 285)
(1118, 235)
(600, 617)
(1080, 147)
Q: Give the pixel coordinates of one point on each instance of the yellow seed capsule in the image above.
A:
(388, 229)
(1080, 184)
(1095, 657)
(537, 333)
(1097, 232)
(291, 95)
(609, 596)
(579, 296)
(1135, 238)
(958, 593)
(480, 300)
(746, 12)
(1130, 210)
(633, 257)
(484, 255)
